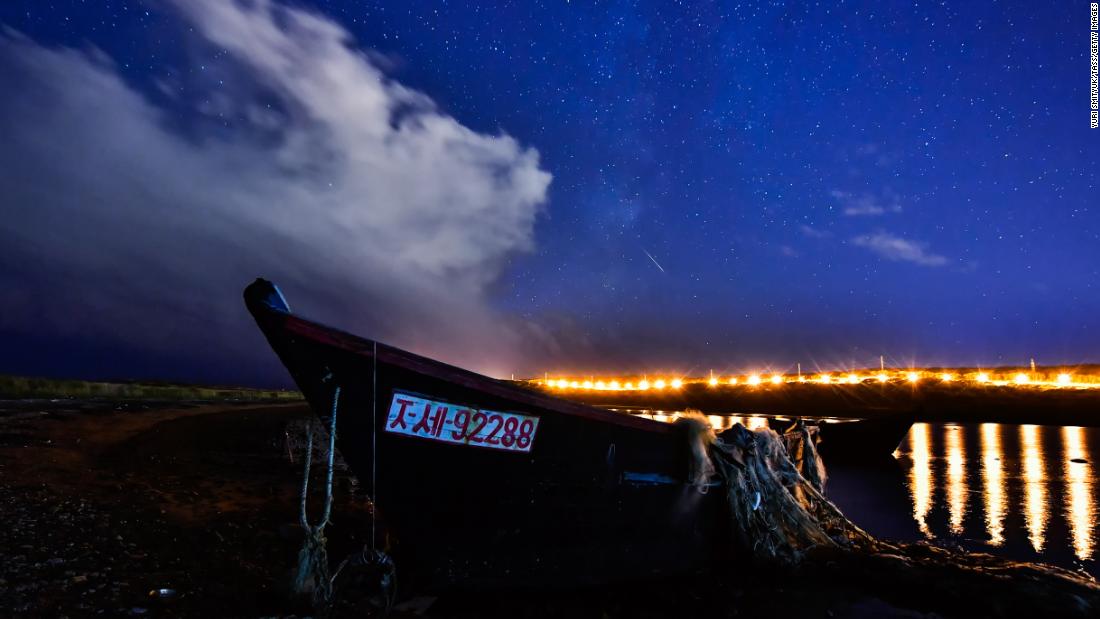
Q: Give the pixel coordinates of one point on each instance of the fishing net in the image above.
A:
(775, 485)
(775, 489)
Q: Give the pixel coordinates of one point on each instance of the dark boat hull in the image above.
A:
(864, 438)
(855, 440)
(599, 497)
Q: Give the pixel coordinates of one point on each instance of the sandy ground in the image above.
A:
(104, 503)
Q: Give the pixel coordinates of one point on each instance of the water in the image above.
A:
(1011, 490)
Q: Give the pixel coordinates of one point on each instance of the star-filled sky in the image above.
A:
(548, 186)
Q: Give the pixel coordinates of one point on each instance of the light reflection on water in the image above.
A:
(993, 482)
(920, 476)
(1017, 487)
(1035, 489)
(1080, 509)
(956, 478)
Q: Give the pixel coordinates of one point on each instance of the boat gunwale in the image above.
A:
(361, 346)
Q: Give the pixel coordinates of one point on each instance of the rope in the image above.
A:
(313, 569)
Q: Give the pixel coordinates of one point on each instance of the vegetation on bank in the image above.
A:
(17, 387)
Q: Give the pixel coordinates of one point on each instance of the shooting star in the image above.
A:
(654, 260)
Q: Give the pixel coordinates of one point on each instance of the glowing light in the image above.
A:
(993, 483)
(921, 482)
(756, 423)
(1022, 379)
(1035, 488)
(956, 478)
(1079, 503)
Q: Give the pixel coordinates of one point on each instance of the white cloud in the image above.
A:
(354, 192)
(864, 205)
(814, 233)
(896, 248)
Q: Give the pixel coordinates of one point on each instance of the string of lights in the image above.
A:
(1032, 379)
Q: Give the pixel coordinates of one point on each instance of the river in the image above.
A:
(1026, 492)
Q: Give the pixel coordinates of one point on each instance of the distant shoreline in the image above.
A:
(929, 401)
(24, 387)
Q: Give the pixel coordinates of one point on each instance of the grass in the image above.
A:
(16, 387)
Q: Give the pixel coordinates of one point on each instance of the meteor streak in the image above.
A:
(654, 260)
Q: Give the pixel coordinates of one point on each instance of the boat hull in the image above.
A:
(597, 497)
(864, 438)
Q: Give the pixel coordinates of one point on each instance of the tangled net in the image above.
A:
(775, 488)
(778, 511)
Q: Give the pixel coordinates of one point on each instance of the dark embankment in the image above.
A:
(21, 387)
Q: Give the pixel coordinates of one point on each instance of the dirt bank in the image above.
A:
(105, 503)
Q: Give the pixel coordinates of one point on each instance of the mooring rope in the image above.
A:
(313, 571)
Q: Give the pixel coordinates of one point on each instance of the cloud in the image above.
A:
(814, 233)
(896, 248)
(150, 211)
(865, 205)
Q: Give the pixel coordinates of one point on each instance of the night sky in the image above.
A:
(548, 186)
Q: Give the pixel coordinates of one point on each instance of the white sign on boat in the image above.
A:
(451, 423)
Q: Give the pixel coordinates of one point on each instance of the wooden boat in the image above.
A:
(484, 483)
(858, 439)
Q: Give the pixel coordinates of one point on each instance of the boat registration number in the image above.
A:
(451, 423)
